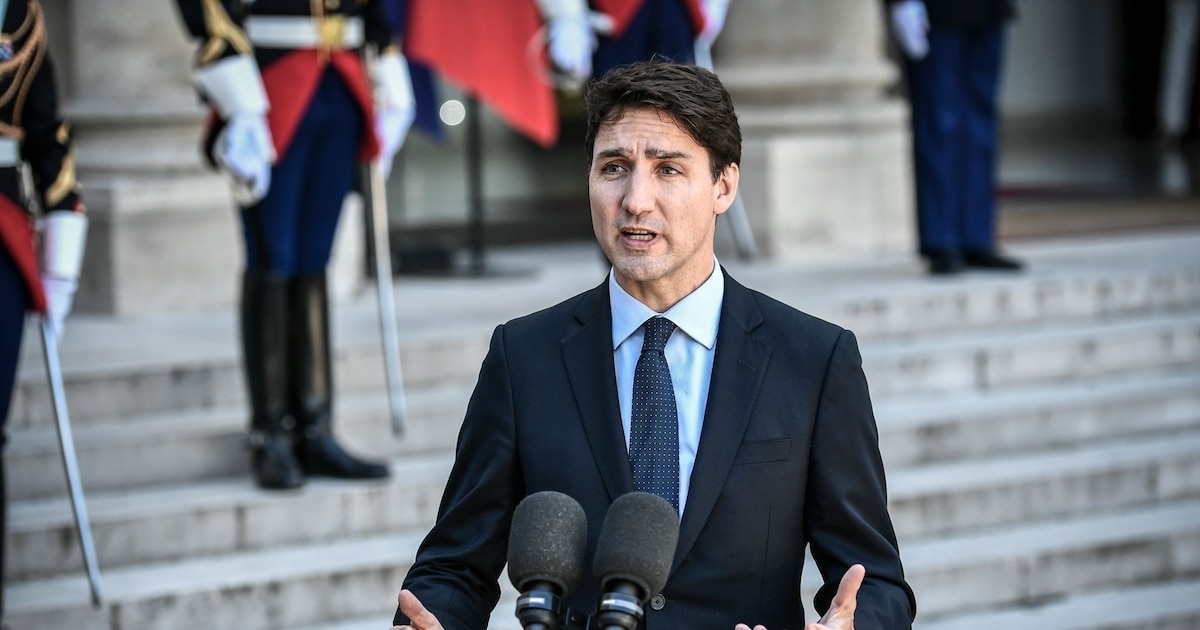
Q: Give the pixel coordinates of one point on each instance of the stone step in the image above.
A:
(1166, 605)
(188, 445)
(189, 360)
(996, 359)
(921, 429)
(205, 444)
(170, 522)
(953, 361)
(206, 372)
(280, 587)
(349, 579)
(1088, 292)
(1027, 564)
(974, 493)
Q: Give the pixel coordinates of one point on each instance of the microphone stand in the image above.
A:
(538, 607)
(620, 608)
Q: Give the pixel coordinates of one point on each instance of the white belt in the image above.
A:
(302, 31)
(10, 151)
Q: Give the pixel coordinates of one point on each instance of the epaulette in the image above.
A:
(223, 34)
(21, 56)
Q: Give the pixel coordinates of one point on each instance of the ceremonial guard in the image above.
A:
(32, 134)
(592, 38)
(295, 114)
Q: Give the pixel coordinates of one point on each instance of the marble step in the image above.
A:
(198, 444)
(1171, 605)
(923, 429)
(355, 578)
(176, 361)
(999, 359)
(944, 363)
(1031, 563)
(970, 494)
(177, 521)
(204, 443)
(173, 522)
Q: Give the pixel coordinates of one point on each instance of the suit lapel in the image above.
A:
(588, 357)
(738, 368)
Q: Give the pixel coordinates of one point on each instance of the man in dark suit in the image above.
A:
(777, 446)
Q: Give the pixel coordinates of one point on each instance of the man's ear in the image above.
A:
(727, 187)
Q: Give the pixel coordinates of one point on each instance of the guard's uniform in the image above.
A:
(30, 131)
(954, 93)
(321, 121)
(320, 110)
(645, 28)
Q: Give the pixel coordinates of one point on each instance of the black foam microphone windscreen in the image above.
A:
(547, 541)
(637, 543)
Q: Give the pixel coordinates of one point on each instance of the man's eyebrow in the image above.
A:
(657, 154)
(665, 154)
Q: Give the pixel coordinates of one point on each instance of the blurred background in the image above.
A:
(1041, 429)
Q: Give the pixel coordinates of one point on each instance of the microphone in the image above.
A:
(545, 555)
(633, 557)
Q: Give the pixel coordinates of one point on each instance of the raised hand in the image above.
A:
(840, 615)
(419, 617)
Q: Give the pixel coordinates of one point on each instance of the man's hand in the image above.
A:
(840, 615)
(420, 618)
(910, 22)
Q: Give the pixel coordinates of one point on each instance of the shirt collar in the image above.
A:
(697, 314)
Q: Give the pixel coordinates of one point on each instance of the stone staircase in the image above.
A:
(1041, 433)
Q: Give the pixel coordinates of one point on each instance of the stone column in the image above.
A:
(163, 230)
(826, 166)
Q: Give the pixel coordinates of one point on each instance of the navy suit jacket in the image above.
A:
(788, 457)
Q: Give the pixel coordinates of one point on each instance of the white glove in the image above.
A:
(60, 293)
(244, 149)
(571, 44)
(396, 108)
(911, 25)
(64, 235)
(714, 20)
(244, 152)
(570, 34)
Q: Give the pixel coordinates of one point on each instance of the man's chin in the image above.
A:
(636, 268)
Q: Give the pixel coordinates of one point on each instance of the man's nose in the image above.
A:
(641, 193)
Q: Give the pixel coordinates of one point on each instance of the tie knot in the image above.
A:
(658, 330)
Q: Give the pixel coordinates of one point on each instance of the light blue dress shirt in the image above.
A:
(689, 354)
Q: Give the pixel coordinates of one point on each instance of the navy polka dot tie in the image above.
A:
(654, 427)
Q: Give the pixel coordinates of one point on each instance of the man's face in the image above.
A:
(654, 205)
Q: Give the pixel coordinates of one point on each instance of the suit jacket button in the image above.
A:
(658, 602)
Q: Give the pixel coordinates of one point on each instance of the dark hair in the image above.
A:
(691, 95)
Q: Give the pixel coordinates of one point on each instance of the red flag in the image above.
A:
(487, 48)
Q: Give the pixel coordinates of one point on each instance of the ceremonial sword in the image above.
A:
(377, 201)
(58, 400)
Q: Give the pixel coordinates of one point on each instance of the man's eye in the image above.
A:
(610, 168)
(670, 170)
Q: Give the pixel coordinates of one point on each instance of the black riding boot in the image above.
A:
(312, 386)
(264, 349)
